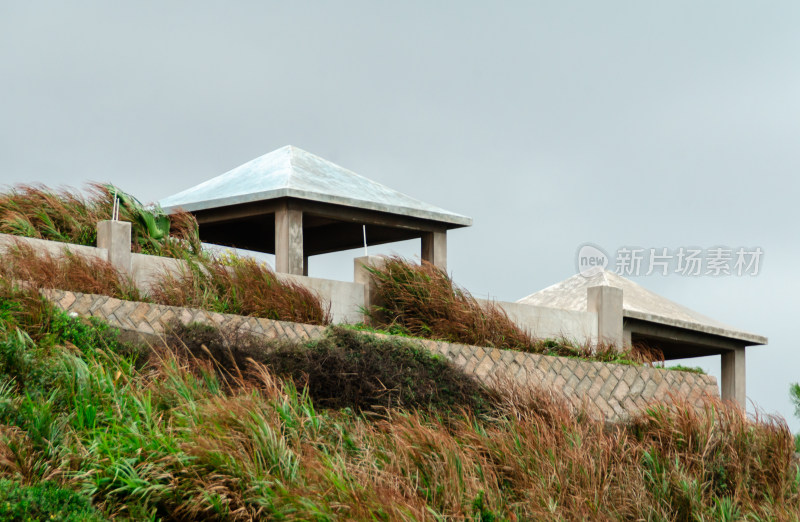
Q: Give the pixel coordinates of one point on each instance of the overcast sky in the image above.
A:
(650, 124)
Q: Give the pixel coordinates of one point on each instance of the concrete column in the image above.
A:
(733, 377)
(305, 265)
(362, 276)
(627, 336)
(289, 241)
(115, 237)
(606, 302)
(434, 248)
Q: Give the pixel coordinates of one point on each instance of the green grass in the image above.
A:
(93, 427)
(690, 369)
(44, 501)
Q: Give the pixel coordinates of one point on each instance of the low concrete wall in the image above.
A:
(146, 269)
(346, 299)
(54, 248)
(551, 323)
(611, 391)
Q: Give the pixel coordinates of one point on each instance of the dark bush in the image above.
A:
(344, 369)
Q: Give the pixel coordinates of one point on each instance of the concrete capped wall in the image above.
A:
(346, 299)
(551, 323)
(54, 248)
(609, 391)
(146, 269)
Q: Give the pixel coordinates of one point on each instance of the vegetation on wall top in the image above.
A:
(66, 215)
(422, 301)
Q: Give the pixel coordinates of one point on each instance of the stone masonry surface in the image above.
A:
(611, 391)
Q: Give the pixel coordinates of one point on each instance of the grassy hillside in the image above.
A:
(214, 425)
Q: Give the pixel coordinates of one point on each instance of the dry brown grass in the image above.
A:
(68, 216)
(65, 215)
(70, 271)
(240, 286)
(421, 300)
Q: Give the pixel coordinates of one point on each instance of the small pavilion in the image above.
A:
(648, 319)
(294, 204)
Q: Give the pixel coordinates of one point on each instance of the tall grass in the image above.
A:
(167, 439)
(421, 300)
(227, 285)
(70, 271)
(241, 286)
(66, 215)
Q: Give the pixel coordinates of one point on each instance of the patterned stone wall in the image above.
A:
(616, 391)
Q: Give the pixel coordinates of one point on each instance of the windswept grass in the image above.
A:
(165, 438)
(70, 271)
(422, 301)
(240, 286)
(67, 216)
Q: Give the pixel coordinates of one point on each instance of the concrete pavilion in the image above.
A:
(640, 316)
(294, 204)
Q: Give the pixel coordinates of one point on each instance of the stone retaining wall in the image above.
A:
(616, 391)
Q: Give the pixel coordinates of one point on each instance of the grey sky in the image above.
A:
(551, 124)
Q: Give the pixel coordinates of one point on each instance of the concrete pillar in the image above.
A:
(733, 377)
(434, 248)
(305, 265)
(362, 276)
(606, 302)
(627, 336)
(289, 241)
(115, 237)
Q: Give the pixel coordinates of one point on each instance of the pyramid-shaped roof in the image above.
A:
(293, 172)
(637, 303)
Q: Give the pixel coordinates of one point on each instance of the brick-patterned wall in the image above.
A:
(615, 390)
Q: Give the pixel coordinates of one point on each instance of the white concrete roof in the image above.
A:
(293, 172)
(637, 303)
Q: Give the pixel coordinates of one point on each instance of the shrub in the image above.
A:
(240, 286)
(45, 501)
(344, 369)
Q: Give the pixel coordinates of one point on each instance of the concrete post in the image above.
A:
(434, 248)
(115, 237)
(606, 302)
(733, 377)
(289, 241)
(362, 276)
